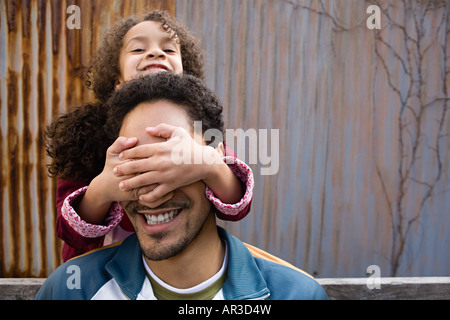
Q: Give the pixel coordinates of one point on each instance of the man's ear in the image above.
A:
(221, 149)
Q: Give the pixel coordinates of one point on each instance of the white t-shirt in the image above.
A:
(205, 284)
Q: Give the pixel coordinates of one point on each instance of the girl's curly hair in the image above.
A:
(104, 71)
(76, 141)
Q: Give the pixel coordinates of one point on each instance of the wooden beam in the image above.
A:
(410, 288)
(414, 288)
(19, 288)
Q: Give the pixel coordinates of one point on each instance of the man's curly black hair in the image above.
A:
(199, 102)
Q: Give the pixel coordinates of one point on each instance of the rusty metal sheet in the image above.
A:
(308, 68)
(42, 74)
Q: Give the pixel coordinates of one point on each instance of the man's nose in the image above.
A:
(158, 202)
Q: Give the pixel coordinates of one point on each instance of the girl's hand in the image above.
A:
(177, 162)
(107, 184)
(104, 188)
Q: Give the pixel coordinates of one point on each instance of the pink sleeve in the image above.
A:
(245, 174)
(85, 229)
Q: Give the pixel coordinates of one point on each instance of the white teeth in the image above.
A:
(153, 219)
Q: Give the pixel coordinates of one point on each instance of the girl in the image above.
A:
(88, 190)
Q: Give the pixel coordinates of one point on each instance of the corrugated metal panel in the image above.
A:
(307, 68)
(42, 68)
(310, 69)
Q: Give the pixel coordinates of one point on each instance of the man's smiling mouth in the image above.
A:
(164, 217)
(164, 213)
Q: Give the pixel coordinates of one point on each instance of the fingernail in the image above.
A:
(121, 156)
(115, 170)
(121, 186)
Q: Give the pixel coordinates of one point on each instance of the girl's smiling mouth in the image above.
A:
(155, 66)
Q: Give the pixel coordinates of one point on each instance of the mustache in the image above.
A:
(134, 206)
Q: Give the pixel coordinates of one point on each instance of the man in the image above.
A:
(177, 252)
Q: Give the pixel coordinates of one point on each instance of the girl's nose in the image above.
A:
(156, 53)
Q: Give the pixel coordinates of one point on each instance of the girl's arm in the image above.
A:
(63, 230)
(83, 216)
(238, 210)
(82, 228)
(104, 188)
(74, 243)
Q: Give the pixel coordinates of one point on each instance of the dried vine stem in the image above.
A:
(413, 141)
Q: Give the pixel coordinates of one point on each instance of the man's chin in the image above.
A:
(158, 247)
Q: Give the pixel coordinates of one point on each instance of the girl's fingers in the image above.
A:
(134, 167)
(146, 189)
(138, 181)
(139, 152)
(121, 144)
(162, 130)
(156, 197)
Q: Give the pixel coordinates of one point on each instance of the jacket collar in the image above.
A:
(244, 280)
(126, 267)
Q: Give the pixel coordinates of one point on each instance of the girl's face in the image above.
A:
(148, 48)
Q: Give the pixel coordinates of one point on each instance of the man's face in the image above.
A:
(168, 229)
